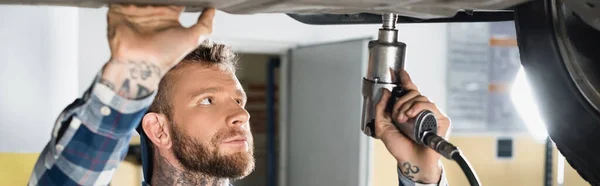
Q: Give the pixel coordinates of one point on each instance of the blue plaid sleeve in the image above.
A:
(404, 181)
(90, 138)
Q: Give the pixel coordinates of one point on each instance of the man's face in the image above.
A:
(210, 128)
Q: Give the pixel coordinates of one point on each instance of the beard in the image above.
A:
(197, 157)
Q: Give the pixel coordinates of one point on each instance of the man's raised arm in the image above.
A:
(91, 136)
(417, 165)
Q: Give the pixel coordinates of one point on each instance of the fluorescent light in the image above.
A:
(524, 103)
(560, 179)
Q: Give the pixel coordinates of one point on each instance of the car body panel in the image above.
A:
(421, 9)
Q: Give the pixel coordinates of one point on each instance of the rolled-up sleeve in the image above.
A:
(90, 138)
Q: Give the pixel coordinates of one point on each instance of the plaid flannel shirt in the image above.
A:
(91, 137)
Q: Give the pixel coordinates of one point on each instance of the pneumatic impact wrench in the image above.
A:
(386, 58)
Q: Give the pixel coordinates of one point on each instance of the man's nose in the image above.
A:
(238, 116)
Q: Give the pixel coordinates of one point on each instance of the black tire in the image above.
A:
(565, 96)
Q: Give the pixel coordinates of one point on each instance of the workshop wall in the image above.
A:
(38, 78)
(252, 73)
(525, 168)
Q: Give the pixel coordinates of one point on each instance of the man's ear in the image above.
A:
(156, 127)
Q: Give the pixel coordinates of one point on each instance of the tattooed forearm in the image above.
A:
(409, 170)
(142, 70)
(124, 90)
(107, 83)
(142, 91)
(136, 79)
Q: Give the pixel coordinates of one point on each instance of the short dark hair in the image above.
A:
(207, 54)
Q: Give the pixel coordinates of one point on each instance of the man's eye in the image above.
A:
(206, 101)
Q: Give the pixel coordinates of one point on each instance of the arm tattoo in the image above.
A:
(142, 91)
(138, 78)
(409, 170)
(124, 90)
(143, 70)
(107, 83)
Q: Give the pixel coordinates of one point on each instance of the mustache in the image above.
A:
(230, 133)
